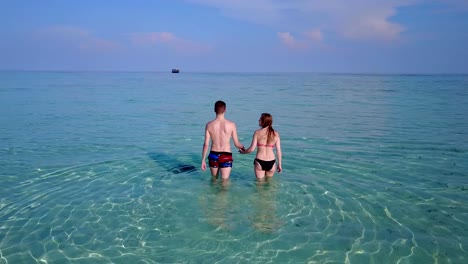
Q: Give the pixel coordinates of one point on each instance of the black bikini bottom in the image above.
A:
(265, 164)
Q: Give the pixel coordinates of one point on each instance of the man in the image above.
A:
(220, 131)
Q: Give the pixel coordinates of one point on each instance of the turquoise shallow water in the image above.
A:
(375, 169)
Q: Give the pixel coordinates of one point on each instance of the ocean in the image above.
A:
(96, 167)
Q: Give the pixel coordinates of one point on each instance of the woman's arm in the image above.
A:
(253, 145)
(279, 154)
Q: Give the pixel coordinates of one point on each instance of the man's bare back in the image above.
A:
(220, 131)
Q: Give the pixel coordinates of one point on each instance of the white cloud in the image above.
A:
(356, 19)
(76, 37)
(305, 42)
(153, 37)
(85, 41)
(315, 35)
(170, 41)
(287, 39)
(259, 11)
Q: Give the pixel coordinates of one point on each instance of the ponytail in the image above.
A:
(271, 133)
(266, 120)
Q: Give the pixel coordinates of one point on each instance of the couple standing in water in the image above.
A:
(219, 132)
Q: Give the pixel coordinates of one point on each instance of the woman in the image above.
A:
(266, 138)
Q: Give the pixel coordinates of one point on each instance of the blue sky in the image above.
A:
(351, 36)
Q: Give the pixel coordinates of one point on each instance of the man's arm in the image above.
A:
(235, 138)
(206, 144)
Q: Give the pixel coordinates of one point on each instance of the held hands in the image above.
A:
(242, 150)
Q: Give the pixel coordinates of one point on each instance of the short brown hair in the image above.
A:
(220, 107)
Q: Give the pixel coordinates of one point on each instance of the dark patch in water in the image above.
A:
(456, 150)
(170, 163)
(183, 168)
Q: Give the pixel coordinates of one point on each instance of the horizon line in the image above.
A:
(238, 72)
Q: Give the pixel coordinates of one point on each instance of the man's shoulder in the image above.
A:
(210, 122)
(230, 122)
(224, 122)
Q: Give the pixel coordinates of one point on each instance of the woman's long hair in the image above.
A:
(266, 120)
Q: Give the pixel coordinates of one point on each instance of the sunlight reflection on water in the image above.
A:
(104, 168)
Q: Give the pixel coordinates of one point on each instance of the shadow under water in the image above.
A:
(170, 163)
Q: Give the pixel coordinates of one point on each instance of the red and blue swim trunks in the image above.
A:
(220, 159)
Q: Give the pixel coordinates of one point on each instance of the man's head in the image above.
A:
(220, 107)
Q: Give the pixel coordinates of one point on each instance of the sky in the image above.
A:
(323, 36)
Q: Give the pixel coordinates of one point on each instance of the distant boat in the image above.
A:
(175, 70)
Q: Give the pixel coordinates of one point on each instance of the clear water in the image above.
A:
(375, 169)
